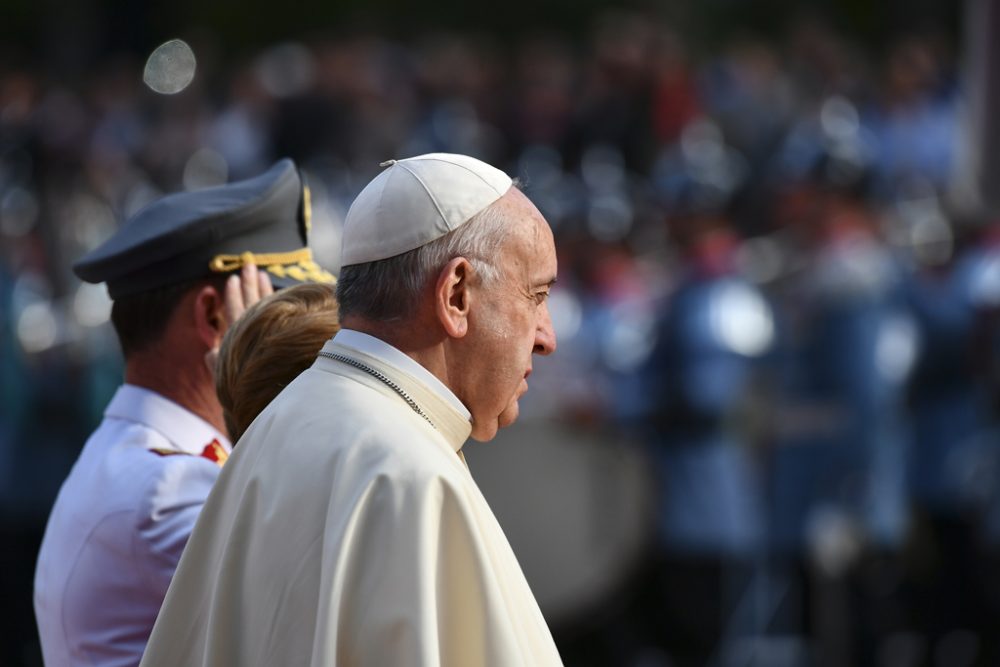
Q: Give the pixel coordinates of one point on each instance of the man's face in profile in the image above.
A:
(509, 319)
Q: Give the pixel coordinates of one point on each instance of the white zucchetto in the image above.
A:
(415, 201)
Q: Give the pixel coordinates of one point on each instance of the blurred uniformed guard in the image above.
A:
(131, 500)
(836, 488)
(711, 332)
(954, 445)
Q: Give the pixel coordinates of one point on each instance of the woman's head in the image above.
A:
(275, 340)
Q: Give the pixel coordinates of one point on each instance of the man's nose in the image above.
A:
(545, 335)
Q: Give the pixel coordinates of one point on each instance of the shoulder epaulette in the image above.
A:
(166, 452)
(213, 451)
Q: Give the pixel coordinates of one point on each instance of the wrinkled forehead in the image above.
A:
(526, 219)
(529, 249)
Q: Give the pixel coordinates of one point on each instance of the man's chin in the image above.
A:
(509, 415)
(485, 433)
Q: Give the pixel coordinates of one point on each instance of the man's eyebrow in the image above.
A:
(549, 283)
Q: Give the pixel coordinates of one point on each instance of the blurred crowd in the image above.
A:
(764, 289)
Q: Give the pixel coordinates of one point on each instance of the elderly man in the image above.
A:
(126, 510)
(346, 529)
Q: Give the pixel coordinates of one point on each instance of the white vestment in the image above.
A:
(347, 530)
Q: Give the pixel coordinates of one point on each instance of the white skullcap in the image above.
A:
(415, 201)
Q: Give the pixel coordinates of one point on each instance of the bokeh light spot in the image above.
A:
(170, 68)
(741, 320)
(92, 305)
(37, 327)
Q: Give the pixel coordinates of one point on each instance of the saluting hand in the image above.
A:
(242, 291)
(245, 290)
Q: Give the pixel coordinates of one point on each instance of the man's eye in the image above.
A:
(540, 297)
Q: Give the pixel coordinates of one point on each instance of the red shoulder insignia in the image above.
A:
(215, 452)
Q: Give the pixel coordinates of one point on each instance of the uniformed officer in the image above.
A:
(711, 333)
(844, 349)
(131, 500)
(953, 440)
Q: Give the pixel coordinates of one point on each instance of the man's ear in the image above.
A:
(209, 316)
(452, 297)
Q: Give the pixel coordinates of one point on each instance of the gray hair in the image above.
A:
(389, 289)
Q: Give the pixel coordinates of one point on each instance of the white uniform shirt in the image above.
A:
(118, 527)
(346, 530)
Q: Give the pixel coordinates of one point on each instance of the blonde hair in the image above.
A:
(276, 339)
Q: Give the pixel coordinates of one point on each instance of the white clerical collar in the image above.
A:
(184, 429)
(385, 352)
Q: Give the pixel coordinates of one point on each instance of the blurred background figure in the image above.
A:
(953, 445)
(711, 331)
(769, 436)
(837, 450)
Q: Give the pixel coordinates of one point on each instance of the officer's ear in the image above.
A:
(452, 297)
(209, 315)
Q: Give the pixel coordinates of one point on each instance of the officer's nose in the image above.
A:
(545, 335)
